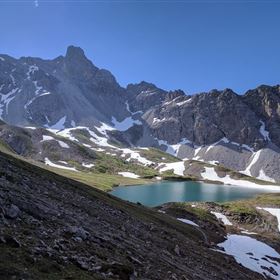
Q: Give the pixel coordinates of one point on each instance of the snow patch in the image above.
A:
(128, 109)
(227, 141)
(222, 217)
(213, 162)
(189, 222)
(47, 138)
(177, 167)
(171, 101)
(64, 162)
(104, 128)
(183, 102)
(65, 133)
(248, 232)
(31, 70)
(264, 132)
(13, 79)
(129, 175)
(173, 149)
(30, 127)
(156, 120)
(6, 99)
(254, 158)
(134, 155)
(196, 152)
(59, 125)
(125, 124)
(98, 140)
(48, 162)
(263, 176)
(253, 254)
(87, 165)
(210, 174)
(63, 144)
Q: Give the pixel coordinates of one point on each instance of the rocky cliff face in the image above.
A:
(206, 118)
(265, 102)
(240, 132)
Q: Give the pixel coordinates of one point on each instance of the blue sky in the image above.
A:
(192, 45)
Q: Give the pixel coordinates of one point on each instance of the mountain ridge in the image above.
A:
(70, 91)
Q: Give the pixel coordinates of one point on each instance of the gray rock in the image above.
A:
(78, 232)
(12, 212)
(177, 250)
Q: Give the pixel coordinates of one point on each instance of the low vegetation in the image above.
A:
(200, 213)
(102, 181)
(249, 206)
(157, 155)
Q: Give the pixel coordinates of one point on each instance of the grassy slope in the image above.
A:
(113, 165)
(249, 206)
(157, 155)
(103, 181)
(5, 148)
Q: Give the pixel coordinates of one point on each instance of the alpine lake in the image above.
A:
(185, 191)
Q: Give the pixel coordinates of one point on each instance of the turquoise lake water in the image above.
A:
(162, 192)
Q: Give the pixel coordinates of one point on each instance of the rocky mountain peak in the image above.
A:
(225, 92)
(141, 87)
(78, 65)
(75, 53)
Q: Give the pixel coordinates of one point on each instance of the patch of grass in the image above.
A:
(157, 156)
(272, 200)
(240, 207)
(200, 213)
(5, 147)
(249, 206)
(170, 176)
(102, 181)
(112, 165)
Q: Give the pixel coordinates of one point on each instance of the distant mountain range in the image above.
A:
(69, 95)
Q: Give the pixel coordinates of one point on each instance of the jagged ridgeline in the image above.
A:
(73, 98)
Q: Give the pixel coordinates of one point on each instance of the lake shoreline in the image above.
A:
(273, 188)
(157, 193)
